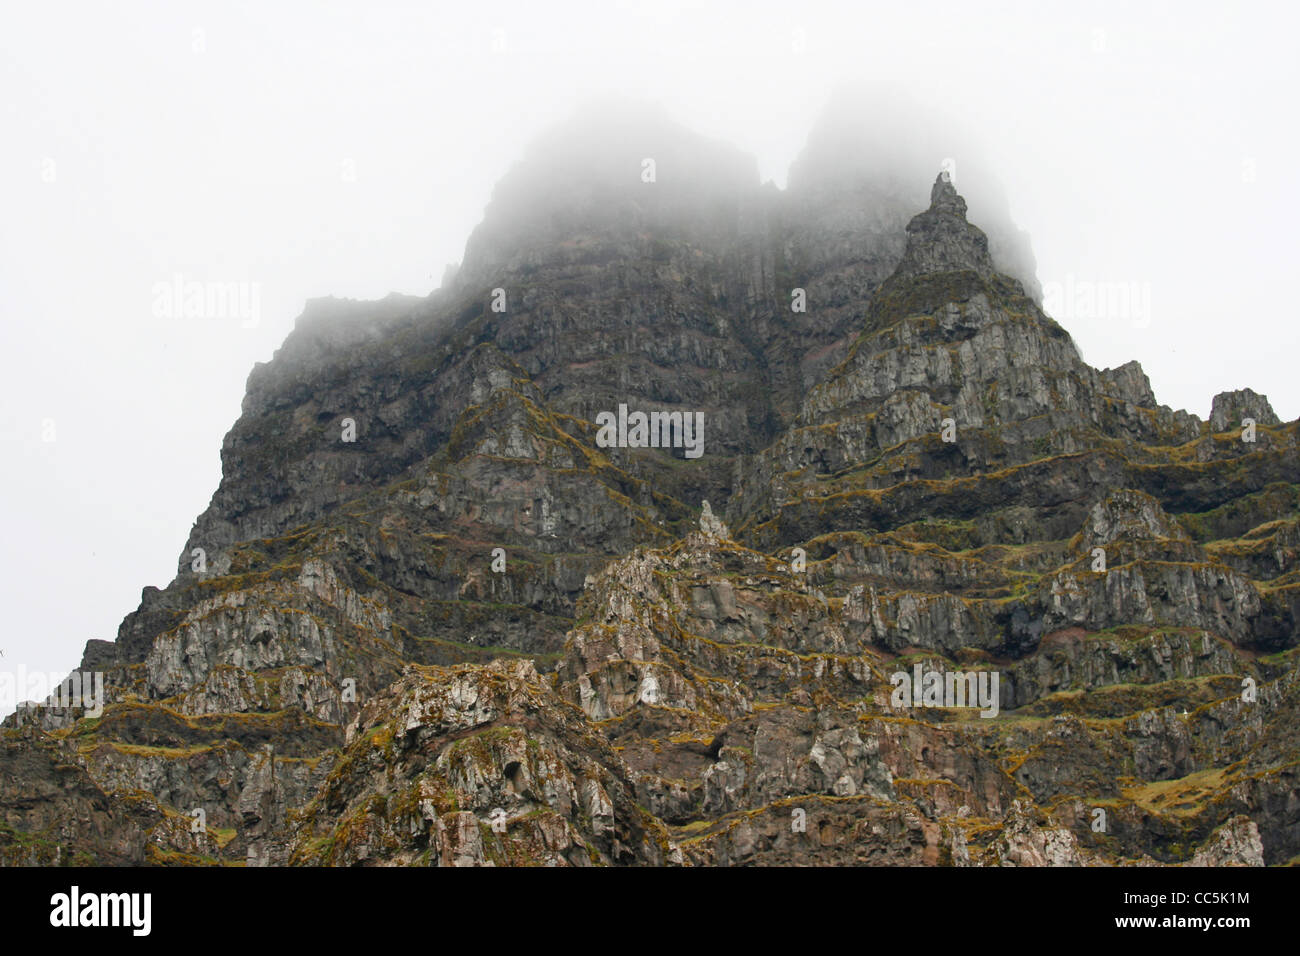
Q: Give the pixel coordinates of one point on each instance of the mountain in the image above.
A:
(434, 615)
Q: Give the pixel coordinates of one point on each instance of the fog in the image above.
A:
(292, 150)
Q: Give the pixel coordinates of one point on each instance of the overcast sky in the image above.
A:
(312, 149)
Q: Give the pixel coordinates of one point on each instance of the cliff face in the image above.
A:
(431, 617)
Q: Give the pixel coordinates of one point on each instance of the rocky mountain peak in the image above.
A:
(431, 616)
(865, 160)
(1230, 409)
(617, 171)
(941, 240)
(943, 195)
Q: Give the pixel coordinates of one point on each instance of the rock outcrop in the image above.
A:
(430, 618)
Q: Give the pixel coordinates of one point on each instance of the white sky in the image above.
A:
(1147, 143)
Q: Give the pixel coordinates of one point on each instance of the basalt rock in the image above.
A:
(1232, 409)
(431, 618)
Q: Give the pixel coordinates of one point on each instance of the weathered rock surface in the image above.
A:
(429, 619)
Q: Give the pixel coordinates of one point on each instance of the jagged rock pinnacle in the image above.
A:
(712, 525)
(943, 195)
(941, 240)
